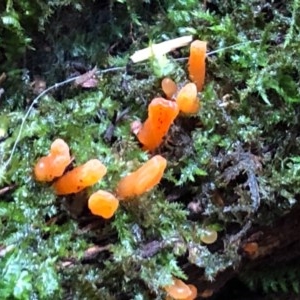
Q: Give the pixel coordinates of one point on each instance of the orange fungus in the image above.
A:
(196, 63)
(178, 290)
(103, 204)
(169, 87)
(187, 99)
(54, 164)
(194, 292)
(80, 177)
(250, 248)
(161, 114)
(143, 179)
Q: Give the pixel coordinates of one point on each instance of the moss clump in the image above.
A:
(233, 165)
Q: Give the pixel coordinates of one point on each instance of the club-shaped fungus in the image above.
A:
(187, 99)
(194, 292)
(196, 63)
(178, 290)
(103, 204)
(80, 177)
(143, 179)
(54, 164)
(161, 114)
(169, 87)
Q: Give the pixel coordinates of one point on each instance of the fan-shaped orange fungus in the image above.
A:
(143, 179)
(103, 204)
(196, 63)
(80, 177)
(169, 87)
(178, 290)
(187, 99)
(161, 114)
(54, 164)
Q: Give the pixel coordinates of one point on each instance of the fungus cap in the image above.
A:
(196, 63)
(250, 248)
(42, 169)
(103, 203)
(60, 147)
(193, 294)
(169, 87)
(187, 99)
(178, 290)
(54, 164)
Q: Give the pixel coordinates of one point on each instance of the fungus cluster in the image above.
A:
(162, 112)
(101, 203)
(161, 115)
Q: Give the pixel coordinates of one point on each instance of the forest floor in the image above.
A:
(225, 215)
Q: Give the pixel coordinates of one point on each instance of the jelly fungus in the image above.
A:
(161, 114)
(196, 63)
(54, 164)
(169, 87)
(80, 177)
(194, 292)
(209, 236)
(250, 248)
(143, 179)
(103, 204)
(187, 99)
(178, 290)
(59, 147)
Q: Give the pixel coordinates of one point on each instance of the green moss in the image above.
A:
(241, 148)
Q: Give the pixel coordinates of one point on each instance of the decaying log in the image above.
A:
(277, 243)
